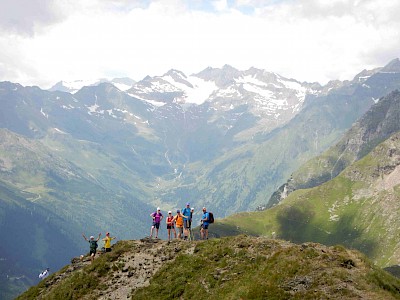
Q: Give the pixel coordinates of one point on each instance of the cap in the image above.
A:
(178, 211)
(170, 212)
(91, 237)
(158, 208)
(188, 203)
(192, 209)
(204, 208)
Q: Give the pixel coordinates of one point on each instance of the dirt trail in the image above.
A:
(137, 268)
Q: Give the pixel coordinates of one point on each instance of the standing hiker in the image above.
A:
(191, 236)
(186, 220)
(93, 245)
(179, 223)
(204, 224)
(107, 242)
(157, 217)
(170, 225)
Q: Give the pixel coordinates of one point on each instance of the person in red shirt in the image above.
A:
(170, 225)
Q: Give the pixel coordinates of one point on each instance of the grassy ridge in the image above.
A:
(239, 267)
(248, 268)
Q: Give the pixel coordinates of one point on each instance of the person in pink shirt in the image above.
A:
(157, 217)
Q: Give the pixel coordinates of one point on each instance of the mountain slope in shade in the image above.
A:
(37, 238)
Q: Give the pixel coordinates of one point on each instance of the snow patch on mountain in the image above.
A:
(59, 131)
(43, 113)
(122, 86)
(267, 94)
(93, 109)
(197, 91)
(152, 102)
(228, 92)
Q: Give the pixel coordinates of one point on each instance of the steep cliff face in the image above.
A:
(238, 267)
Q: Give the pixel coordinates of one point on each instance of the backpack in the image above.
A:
(93, 245)
(210, 217)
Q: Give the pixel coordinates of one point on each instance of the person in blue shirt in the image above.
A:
(204, 225)
(186, 220)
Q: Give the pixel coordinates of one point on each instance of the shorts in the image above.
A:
(92, 252)
(156, 225)
(180, 229)
(186, 224)
(170, 227)
(204, 226)
(108, 249)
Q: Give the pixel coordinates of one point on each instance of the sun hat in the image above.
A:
(192, 209)
(158, 208)
(187, 204)
(178, 211)
(170, 212)
(91, 237)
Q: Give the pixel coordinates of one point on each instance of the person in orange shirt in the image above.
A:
(179, 223)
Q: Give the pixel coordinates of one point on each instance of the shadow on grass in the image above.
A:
(296, 225)
(220, 230)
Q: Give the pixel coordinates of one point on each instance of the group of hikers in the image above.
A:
(94, 245)
(92, 250)
(183, 223)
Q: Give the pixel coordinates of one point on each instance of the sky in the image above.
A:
(45, 41)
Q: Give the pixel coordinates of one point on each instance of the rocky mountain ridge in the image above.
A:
(233, 267)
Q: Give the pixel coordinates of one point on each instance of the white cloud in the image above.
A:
(25, 17)
(307, 40)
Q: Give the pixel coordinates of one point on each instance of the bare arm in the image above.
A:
(84, 237)
(98, 237)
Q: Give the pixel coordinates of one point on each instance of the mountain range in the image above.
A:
(101, 158)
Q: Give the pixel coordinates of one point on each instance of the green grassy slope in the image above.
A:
(360, 209)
